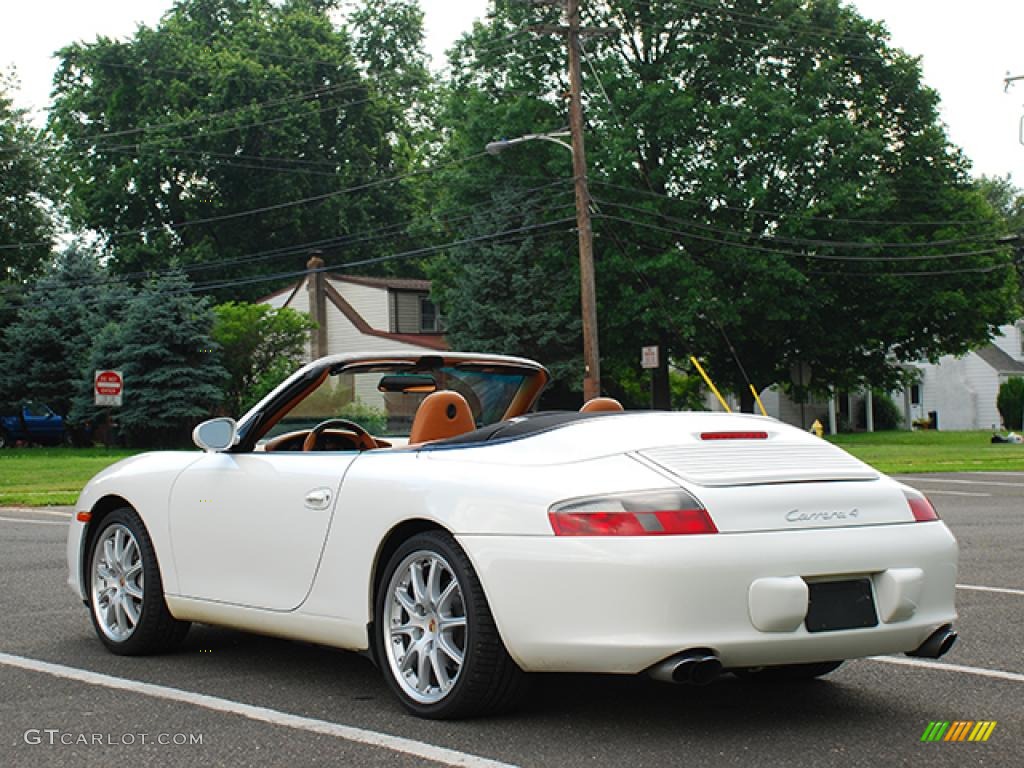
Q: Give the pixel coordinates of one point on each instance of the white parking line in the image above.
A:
(936, 492)
(34, 511)
(949, 481)
(262, 714)
(925, 664)
(32, 522)
(1000, 590)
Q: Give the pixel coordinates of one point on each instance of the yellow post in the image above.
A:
(710, 384)
(757, 398)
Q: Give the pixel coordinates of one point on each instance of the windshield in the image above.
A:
(383, 400)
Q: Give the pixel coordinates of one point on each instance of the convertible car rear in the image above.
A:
(414, 508)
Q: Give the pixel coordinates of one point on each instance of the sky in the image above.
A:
(967, 49)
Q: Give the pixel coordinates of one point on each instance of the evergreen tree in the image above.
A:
(163, 346)
(47, 341)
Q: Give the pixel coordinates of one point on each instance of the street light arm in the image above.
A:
(496, 147)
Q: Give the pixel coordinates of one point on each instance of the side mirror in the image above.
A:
(216, 435)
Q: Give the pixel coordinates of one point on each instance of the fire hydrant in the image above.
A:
(817, 428)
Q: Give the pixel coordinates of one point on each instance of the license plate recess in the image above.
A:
(834, 605)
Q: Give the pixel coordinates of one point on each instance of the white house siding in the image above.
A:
(300, 303)
(962, 390)
(369, 301)
(781, 407)
(278, 300)
(1010, 340)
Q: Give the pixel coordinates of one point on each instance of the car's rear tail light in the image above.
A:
(83, 517)
(657, 513)
(733, 435)
(921, 508)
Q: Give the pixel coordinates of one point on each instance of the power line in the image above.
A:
(521, 201)
(799, 241)
(789, 215)
(524, 232)
(274, 207)
(796, 254)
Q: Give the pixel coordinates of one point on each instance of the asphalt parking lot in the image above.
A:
(228, 698)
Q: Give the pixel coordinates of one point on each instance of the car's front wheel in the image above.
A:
(126, 597)
(436, 640)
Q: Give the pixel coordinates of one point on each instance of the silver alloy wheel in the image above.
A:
(425, 628)
(117, 582)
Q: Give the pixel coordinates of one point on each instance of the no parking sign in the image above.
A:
(108, 387)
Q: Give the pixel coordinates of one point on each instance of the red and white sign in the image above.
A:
(108, 387)
(649, 357)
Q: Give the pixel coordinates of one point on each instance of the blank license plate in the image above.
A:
(836, 605)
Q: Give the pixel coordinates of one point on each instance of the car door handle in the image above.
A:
(319, 499)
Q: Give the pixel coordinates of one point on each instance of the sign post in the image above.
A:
(108, 387)
(649, 360)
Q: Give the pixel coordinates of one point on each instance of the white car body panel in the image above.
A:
(238, 547)
(238, 518)
(623, 604)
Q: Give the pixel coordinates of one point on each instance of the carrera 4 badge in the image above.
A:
(825, 516)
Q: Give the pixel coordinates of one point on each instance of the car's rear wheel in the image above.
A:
(126, 597)
(787, 672)
(436, 640)
(5, 441)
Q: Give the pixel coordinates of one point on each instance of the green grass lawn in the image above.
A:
(931, 451)
(40, 477)
(54, 476)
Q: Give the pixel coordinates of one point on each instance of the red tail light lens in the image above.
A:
(660, 513)
(921, 508)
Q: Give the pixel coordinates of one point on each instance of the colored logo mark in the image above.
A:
(958, 730)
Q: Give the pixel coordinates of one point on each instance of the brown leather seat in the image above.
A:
(441, 414)
(599, 404)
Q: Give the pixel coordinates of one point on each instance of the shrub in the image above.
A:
(886, 413)
(1010, 402)
(373, 420)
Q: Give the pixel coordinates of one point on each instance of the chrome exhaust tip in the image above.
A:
(691, 668)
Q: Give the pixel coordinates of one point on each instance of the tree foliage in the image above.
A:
(234, 131)
(25, 226)
(260, 346)
(773, 187)
(47, 340)
(163, 346)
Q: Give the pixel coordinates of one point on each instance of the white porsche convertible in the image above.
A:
(414, 508)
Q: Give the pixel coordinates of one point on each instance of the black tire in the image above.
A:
(488, 680)
(153, 630)
(787, 673)
(5, 441)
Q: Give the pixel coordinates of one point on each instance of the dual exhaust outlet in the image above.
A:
(690, 667)
(699, 667)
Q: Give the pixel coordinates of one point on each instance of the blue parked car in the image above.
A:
(34, 423)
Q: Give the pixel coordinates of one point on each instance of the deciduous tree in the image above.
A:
(259, 347)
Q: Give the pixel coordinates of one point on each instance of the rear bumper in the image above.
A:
(622, 604)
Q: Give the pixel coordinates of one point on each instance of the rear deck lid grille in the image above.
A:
(741, 462)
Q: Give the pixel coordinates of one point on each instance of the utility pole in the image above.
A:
(588, 293)
(1007, 82)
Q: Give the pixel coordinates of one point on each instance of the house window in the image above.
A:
(915, 394)
(430, 318)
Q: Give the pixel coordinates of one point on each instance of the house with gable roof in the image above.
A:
(364, 314)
